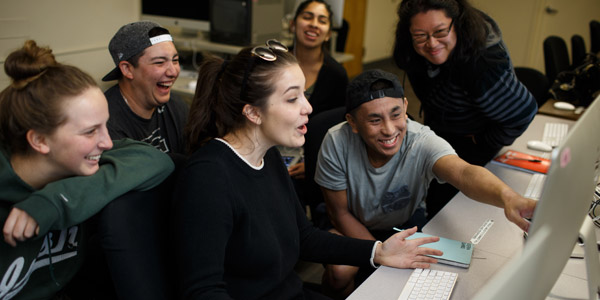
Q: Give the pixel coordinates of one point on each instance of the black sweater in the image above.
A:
(330, 88)
(240, 231)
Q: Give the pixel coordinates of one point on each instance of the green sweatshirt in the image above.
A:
(39, 267)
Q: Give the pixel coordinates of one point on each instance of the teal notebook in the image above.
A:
(456, 253)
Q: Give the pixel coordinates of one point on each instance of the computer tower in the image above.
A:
(245, 22)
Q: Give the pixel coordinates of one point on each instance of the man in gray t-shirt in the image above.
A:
(375, 168)
(387, 196)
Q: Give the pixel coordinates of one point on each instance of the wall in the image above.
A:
(525, 29)
(78, 31)
(524, 25)
(380, 27)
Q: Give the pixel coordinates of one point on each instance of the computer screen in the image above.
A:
(564, 203)
(188, 15)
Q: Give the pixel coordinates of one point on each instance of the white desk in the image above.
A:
(461, 218)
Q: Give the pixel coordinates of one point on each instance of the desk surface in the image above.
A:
(548, 109)
(461, 218)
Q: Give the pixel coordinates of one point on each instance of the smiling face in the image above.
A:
(155, 74)
(435, 50)
(284, 118)
(381, 123)
(74, 148)
(312, 25)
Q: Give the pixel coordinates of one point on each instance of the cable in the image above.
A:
(594, 211)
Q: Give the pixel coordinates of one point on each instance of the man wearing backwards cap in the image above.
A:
(375, 168)
(141, 105)
(142, 108)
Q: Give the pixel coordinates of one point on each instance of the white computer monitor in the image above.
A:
(337, 7)
(561, 211)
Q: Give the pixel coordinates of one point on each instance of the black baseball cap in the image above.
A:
(132, 39)
(359, 89)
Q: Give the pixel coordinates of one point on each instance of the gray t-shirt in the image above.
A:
(380, 198)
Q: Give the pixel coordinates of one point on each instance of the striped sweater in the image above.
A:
(482, 98)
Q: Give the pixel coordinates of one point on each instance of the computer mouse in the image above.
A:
(539, 146)
(564, 105)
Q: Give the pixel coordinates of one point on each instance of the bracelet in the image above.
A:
(373, 254)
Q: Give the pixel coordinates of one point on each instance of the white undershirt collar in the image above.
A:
(262, 160)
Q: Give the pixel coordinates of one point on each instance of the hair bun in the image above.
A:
(28, 63)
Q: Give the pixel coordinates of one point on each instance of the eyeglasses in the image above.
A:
(265, 53)
(439, 34)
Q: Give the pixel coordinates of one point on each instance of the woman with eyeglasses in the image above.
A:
(58, 167)
(239, 228)
(460, 70)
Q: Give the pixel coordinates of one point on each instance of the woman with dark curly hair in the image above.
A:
(461, 71)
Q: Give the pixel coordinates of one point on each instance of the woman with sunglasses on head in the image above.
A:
(58, 167)
(461, 72)
(239, 228)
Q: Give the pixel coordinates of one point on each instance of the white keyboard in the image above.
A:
(534, 189)
(429, 284)
(554, 133)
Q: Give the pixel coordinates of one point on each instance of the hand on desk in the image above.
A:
(398, 252)
(518, 208)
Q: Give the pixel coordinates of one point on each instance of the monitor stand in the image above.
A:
(588, 234)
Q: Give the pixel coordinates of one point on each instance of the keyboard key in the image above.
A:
(554, 133)
(534, 188)
(429, 284)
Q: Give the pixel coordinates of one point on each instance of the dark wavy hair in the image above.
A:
(219, 100)
(469, 25)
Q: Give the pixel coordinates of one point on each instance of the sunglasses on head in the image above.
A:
(264, 52)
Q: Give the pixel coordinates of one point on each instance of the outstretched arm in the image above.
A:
(129, 165)
(480, 184)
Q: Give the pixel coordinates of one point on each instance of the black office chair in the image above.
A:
(342, 35)
(595, 36)
(316, 129)
(556, 56)
(577, 50)
(536, 82)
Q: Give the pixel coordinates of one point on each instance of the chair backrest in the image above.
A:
(342, 35)
(536, 82)
(556, 56)
(316, 129)
(577, 50)
(595, 36)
